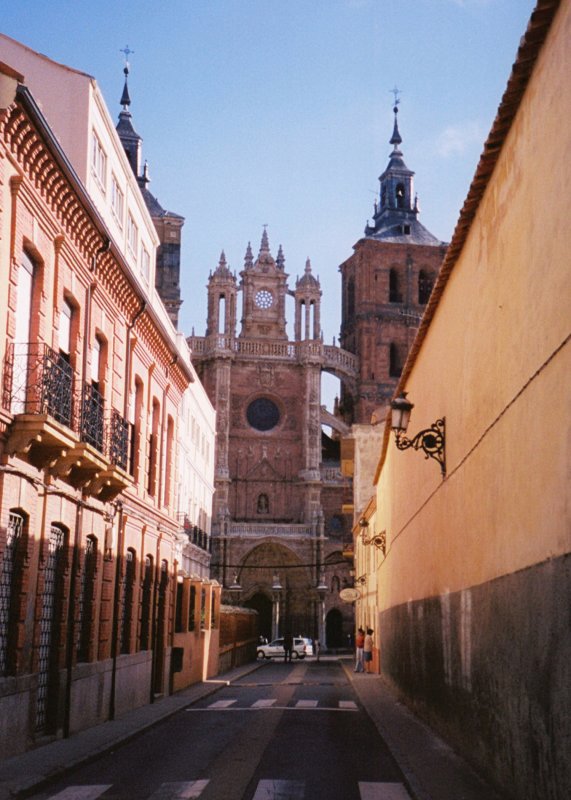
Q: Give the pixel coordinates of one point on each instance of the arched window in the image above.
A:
(153, 449)
(146, 603)
(221, 313)
(136, 429)
(395, 361)
(400, 195)
(127, 600)
(395, 295)
(425, 284)
(50, 623)
(11, 574)
(350, 297)
(87, 599)
(168, 460)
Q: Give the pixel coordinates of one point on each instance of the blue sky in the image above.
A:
(259, 111)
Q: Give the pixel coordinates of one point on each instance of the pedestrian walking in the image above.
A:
(359, 643)
(368, 650)
(288, 646)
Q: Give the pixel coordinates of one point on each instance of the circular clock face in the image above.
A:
(264, 299)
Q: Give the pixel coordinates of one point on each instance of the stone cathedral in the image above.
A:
(283, 509)
(278, 521)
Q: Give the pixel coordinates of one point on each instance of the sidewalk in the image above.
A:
(431, 769)
(22, 775)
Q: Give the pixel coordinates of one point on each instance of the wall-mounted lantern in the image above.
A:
(378, 539)
(431, 440)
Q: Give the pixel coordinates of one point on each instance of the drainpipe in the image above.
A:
(120, 531)
(79, 510)
(88, 299)
(154, 654)
(128, 359)
(163, 434)
(116, 599)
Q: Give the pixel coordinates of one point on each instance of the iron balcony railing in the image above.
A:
(119, 441)
(197, 536)
(39, 380)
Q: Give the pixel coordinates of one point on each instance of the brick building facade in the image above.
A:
(92, 380)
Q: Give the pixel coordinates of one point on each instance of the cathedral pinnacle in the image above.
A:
(280, 260)
(248, 258)
(265, 244)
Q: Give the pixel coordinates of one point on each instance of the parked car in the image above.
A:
(275, 649)
(308, 646)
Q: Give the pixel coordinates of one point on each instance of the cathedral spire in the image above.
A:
(125, 100)
(396, 137)
(396, 207)
(280, 260)
(130, 139)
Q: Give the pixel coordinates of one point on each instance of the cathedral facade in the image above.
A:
(278, 521)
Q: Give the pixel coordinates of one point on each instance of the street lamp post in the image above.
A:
(276, 595)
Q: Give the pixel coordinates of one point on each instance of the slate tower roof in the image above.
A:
(395, 217)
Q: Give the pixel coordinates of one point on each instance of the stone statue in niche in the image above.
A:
(263, 504)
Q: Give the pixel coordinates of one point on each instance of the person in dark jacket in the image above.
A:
(288, 646)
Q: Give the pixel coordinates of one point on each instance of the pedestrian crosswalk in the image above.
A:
(272, 702)
(266, 789)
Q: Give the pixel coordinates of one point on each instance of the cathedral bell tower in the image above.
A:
(386, 284)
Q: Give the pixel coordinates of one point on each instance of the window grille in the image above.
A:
(8, 576)
(86, 598)
(48, 622)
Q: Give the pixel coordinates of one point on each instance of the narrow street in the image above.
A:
(287, 731)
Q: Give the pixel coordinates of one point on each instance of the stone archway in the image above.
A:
(261, 568)
(334, 629)
(261, 603)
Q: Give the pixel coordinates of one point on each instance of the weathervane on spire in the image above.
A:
(396, 93)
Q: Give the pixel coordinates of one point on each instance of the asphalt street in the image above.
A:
(283, 732)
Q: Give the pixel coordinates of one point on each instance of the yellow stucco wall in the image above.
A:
(490, 364)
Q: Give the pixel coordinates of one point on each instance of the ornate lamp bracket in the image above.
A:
(430, 440)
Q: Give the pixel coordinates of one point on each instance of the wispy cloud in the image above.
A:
(456, 139)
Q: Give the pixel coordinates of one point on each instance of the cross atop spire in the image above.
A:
(125, 99)
(127, 51)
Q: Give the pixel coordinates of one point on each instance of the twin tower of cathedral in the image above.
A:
(282, 507)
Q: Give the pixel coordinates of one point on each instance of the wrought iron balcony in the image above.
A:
(60, 427)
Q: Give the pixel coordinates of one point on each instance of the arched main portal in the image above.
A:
(334, 629)
(273, 575)
(263, 605)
